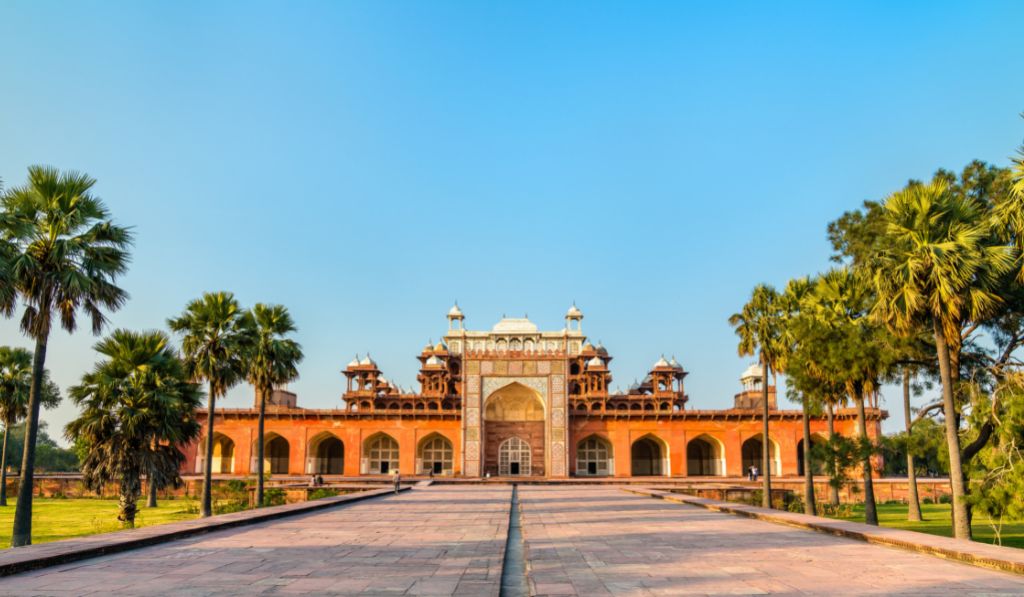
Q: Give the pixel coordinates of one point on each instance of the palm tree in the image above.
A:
(793, 298)
(15, 384)
(938, 271)
(914, 509)
(65, 254)
(137, 408)
(855, 352)
(214, 342)
(759, 328)
(270, 361)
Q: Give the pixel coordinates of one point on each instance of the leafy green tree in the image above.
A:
(940, 269)
(137, 408)
(759, 326)
(214, 342)
(271, 360)
(64, 254)
(853, 351)
(50, 456)
(15, 384)
(795, 353)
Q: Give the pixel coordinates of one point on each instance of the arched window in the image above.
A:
(436, 455)
(594, 457)
(381, 455)
(514, 458)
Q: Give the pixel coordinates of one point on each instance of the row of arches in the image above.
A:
(326, 455)
(649, 456)
(705, 456)
(632, 406)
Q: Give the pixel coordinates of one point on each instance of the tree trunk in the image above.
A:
(809, 506)
(914, 510)
(259, 448)
(870, 512)
(22, 531)
(207, 501)
(131, 485)
(3, 467)
(766, 498)
(833, 489)
(152, 483)
(961, 523)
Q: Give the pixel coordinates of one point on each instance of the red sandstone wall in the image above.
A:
(299, 432)
(674, 436)
(532, 432)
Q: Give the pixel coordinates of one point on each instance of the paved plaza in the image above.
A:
(450, 540)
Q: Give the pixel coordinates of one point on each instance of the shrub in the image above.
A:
(323, 492)
(273, 497)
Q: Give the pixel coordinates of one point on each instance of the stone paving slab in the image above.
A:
(31, 557)
(971, 552)
(433, 541)
(604, 541)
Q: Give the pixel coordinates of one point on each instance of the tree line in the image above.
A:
(61, 256)
(927, 289)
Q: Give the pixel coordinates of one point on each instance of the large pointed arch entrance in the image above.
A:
(513, 429)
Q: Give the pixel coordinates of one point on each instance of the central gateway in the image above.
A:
(515, 395)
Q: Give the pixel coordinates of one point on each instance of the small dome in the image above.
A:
(455, 311)
(601, 350)
(440, 347)
(428, 348)
(367, 361)
(595, 362)
(752, 372)
(588, 347)
(514, 325)
(354, 362)
(574, 311)
(674, 363)
(661, 363)
(433, 361)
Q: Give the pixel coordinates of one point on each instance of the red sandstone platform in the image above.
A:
(971, 552)
(579, 540)
(21, 559)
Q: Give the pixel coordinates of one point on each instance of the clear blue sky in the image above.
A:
(368, 163)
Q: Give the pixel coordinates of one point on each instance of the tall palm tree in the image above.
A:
(271, 360)
(15, 384)
(759, 328)
(856, 352)
(214, 341)
(137, 406)
(938, 272)
(65, 254)
(793, 298)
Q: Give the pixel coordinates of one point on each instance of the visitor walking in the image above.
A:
(750, 473)
(757, 473)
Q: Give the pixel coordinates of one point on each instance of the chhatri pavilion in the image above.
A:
(516, 401)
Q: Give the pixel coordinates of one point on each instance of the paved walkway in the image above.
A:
(446, 540)
(604, 541)
(437, 541)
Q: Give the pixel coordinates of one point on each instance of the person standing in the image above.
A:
(398, 481)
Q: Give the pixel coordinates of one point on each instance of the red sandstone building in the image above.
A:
(515, 401)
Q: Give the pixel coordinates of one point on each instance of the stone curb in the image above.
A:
(984, 555)
(33, 557)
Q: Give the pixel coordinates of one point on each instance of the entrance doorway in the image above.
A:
(514, 458)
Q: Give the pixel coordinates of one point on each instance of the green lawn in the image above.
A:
(54, 519)
(937, 522)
